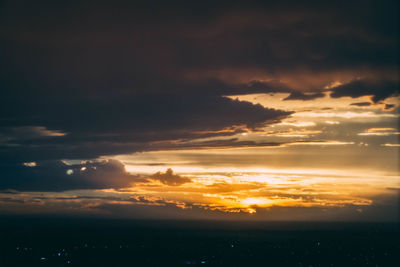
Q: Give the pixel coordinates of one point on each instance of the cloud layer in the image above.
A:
(114, 78)
(59, 176)
(82, 81)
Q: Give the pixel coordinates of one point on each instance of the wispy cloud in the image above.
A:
(380, 132)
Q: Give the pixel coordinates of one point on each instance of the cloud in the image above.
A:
(321, 206)
(57, 176)
(169, 178)
(379, 90)
(96, 83)
(296, 95)
(219, 143)
(361, 104)
(127, 124)
(389, 106)
(224, 187)
(158, 48)
(8, 134)
(379, 132)
(237, 143)
(391, 145)
(320, 143)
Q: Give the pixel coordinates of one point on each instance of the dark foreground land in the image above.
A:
(73, 242)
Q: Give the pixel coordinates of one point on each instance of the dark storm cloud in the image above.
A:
(142, 47)
(115, 78)
(379, 90)
(296, 95)
(58, 176)
(125, 124)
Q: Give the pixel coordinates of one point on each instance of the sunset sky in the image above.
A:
(200, 110)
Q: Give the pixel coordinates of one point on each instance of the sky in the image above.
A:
(230, 110)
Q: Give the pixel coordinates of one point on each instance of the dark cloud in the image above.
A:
(361, 104)
(389, 106)
(262, 87)
(383, 208)
(58, 176)
(85, 47)
(169, 178)
(124, 124)
(83, 79)
(220, 143)
(146, 48)
(379, 90)
(297, 95)
(9, 191)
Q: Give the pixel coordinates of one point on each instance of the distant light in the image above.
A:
(70, 172)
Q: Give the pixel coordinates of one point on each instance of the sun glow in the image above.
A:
(256, 201)
(247, 190)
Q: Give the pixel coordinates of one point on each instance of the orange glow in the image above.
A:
(246, 190)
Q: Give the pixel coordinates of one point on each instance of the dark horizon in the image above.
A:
(74, 242)
(231, 110)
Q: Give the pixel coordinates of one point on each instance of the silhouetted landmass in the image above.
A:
(92, 242)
